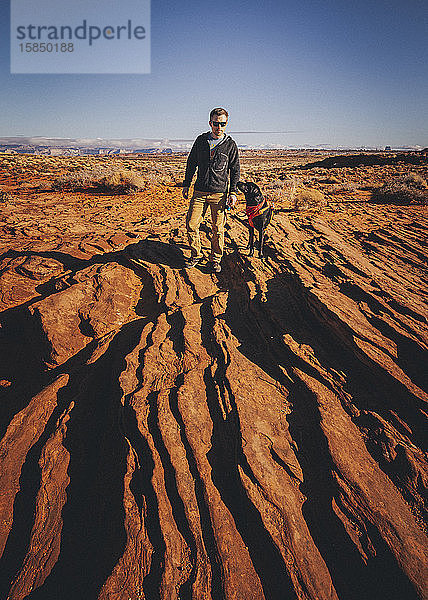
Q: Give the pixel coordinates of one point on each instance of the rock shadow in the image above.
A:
(226, 456)
(259, 327)
(93, 536)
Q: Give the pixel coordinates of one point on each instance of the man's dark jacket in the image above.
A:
(213, 170)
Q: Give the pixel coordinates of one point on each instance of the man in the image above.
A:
(215, 155)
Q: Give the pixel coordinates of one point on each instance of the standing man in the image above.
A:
(215, 155)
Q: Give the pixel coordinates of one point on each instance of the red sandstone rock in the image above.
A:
(174, 434)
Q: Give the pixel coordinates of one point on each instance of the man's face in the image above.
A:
(218, 125)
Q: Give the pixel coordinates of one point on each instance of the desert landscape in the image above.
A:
(170, 433)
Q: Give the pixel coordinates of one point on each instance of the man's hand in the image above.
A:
(185, 193)
(231, 201)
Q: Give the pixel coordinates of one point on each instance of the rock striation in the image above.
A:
(261, 434)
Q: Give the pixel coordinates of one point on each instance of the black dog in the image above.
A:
(259, 212)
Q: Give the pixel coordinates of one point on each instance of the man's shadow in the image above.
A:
(157, 252)
(165, 253)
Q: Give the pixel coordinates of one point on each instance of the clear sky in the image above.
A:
(331, 72)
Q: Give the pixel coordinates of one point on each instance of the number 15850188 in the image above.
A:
(47, 47)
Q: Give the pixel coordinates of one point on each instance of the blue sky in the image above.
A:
(332, 72)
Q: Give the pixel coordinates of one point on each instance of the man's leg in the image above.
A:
(193, 221)
(217, 204)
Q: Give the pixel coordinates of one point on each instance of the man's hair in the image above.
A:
(217, 112)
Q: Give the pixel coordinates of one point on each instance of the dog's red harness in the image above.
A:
(256, 211)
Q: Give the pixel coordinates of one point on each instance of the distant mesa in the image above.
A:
(91, 146)
(97, 146)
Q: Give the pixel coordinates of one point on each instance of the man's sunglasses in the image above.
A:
(219, 123)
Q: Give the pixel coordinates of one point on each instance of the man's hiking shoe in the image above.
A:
(192, 262)
(216, 267)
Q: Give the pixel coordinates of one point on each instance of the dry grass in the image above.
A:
(282, 191)
(80, 179)
(289, 192)
(123, 182)
(120, 181)
(407, 189)
(308, 198)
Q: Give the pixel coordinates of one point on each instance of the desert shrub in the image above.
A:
(407, 189)
(123, 182)
(71, 181)
(415, 180)
(116, 181)
(308, 198)
(80, 180)
(280, 191)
